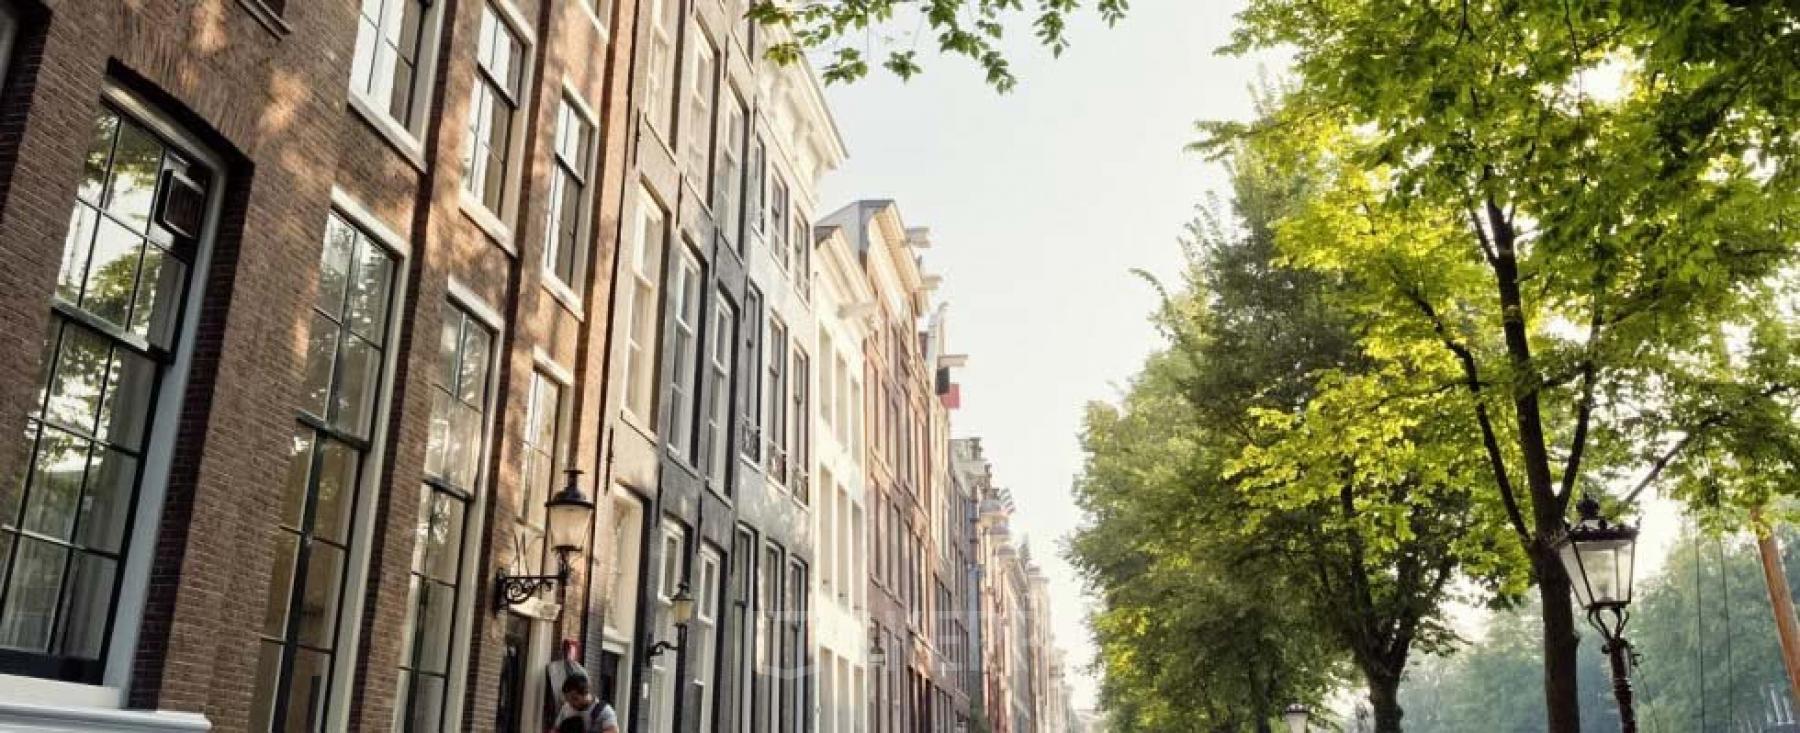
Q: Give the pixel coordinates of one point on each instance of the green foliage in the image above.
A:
(1496, 684)
(1236, 484)
(1597, 276)
(971, 29)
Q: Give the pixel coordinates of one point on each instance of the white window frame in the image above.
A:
(406, 136)
(659, 83)
(474, 522)
(728, 181)
(494, 223)
(569, 292)
(721, 378)
(161, 428)
(705, 632)
(648, 251)
(363, 528)
(702, 102)
(662, 667)
(562, 444)
(687, 287)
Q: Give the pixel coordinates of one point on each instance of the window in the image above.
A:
(345, 360)
(756, 179)
(659, 79)
(802, 244)
(740, 641)
(728, 184)
(704, 634)
(800, 426)
(702, 68)
(778, 223)
(796, 703)
(752, 401)
(719, 385)
(114, 326)
(565, 253)
(859, 563)
(856, 420)
(662, 673)
(828, 394)
(686, 294)
(545, 447)
(768, 626)
(390, 72)
(642, 308)
(822, 521)
(777, 395)
(493, 109)
(455, 451)
(841, 548)
(841, 402)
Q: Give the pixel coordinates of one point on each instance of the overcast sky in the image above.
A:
(1040, 203)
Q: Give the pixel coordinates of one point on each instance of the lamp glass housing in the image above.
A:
(568, 515)
(1296, 717)
(681, 607)
(1599, 557)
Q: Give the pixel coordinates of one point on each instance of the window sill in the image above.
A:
(632, 421)
(396, 135)
(488, 221)
(564, 295)
(267, 18)
(29, 703)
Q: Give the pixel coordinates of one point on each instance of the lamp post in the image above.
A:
(568, 516)
(1296, 716)
(1598, 556)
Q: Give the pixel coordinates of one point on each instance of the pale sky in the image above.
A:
(1040, 203)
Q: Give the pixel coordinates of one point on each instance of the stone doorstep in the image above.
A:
(22, 717)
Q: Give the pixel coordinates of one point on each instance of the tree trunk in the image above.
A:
(1384, 697)
(1262, 725)
(1561, 697)
(1781, 600)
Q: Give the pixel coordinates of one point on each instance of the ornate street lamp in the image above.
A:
(681, 611)
(569, 515)
(1598, 557)
(1296, 716)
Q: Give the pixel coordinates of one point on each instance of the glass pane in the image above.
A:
(306, 691)
(93, 165)
(358, 384)
(86, 606)
(425, 708)
(367, 312)
(317, 623)
(472, 371)
(412, 600)
(106, 507)
(293, 490)
(436, 610)
(336, 491)
(136, 163)
(465, 446)
(442, 531)
(449, 334)
(31, 595)
(157, 303)
(81, 364)
(438, 439)
(129, 391)
(76, 248)
(55, 484)
(321, 353)
(281, 585)
(334, 266)
(268, 667)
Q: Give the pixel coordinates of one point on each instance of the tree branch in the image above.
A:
(1714, 420)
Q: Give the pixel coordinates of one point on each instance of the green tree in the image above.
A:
(1206, 469)
(841, 32)
(1592, 270)
(1496, 683)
